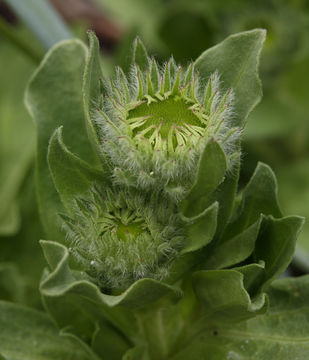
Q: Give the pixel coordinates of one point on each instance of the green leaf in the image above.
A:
(259, 197)
(54, 98)
(276, 244)
(224, 296)
(140, 56)
(31, 335)
(281, 333)
(72, 176)
(236, 59)
(233, 251)
(210, 174)
(42, 19)
(201, 229)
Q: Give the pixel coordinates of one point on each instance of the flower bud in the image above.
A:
(155, 124)
(118, 238)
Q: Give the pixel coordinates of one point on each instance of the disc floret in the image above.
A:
(156, 123)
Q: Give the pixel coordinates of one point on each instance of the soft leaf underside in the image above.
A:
(282, 333)
(54, 98)
(30, 335)
(236, 59)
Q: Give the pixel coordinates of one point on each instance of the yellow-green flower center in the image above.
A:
(163, 115)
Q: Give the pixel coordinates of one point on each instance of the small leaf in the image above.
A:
(140, 56)
(72, 176)
(236, 59)
(276, 244)
(31, 335)
(259, 197)
(210, 174)
(224, 296)
(201, 229)
(234, 250)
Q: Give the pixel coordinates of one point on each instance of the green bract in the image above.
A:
(153, 253)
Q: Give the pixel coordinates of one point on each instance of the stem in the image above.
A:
(153, 332)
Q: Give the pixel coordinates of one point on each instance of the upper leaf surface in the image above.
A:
(236, 59)
(54, 98)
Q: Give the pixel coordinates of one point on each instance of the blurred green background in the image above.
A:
(277, 131)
